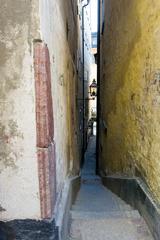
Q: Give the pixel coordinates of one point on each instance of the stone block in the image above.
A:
(44, 106)
(47, 180)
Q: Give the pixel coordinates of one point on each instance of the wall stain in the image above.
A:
(15, 36)
(8, 156)
(2, 209)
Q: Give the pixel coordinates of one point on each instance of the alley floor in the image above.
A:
(98, 214)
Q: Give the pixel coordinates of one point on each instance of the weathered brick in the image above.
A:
(45, 129)
(47, 180)
(44, 106)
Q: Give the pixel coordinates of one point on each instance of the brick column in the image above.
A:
(45, 129)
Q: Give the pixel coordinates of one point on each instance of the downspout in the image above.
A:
(98, 87)
(83, 82)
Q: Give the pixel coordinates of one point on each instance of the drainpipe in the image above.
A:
(83, 86)
(98, 86)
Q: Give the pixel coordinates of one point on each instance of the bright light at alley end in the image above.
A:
(93, 88)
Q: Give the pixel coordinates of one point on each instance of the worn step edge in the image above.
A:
(93, 208)
(118, 200)
(96, 208)
(104, 215)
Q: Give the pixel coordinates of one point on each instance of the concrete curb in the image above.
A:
(63, 206)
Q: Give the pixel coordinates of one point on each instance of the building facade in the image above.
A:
(41, 112)
(86, 56)
(129, 124)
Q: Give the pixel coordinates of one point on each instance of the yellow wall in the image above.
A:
(130, 84)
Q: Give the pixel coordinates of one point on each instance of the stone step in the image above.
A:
(109, 229)
(96, 207)
(90, 179)
(87, 205)
(93, 207)
(122, 205)
(119, 202)
(134, 214)
(99, 214)
(94, 196)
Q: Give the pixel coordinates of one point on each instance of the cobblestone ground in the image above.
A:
(98, 214)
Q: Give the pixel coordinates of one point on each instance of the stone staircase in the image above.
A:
(99, 214)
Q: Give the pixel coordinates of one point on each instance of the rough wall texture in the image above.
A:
(39, 73)
(19, 187)
(88, 60)
(45, 130)
(130, 84)
(58, 31)
(44, 105)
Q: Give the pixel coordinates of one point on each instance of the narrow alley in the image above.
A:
(98, 214)
(79, 119)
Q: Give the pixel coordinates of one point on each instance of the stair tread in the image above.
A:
(110, 229)
(98, 213)
(101, 209)
(104, 214)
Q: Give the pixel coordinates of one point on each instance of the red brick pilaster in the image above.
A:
(45, 129)
(47, 179)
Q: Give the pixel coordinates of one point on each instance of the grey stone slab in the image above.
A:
(112, 229)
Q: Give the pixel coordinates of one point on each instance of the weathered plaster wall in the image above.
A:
(19, 186)
(59, 32)
(87, 62)
(130, 90)
(38, 43)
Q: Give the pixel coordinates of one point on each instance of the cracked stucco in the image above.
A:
(19, 187)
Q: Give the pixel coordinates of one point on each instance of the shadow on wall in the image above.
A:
(119, 44)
